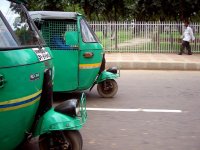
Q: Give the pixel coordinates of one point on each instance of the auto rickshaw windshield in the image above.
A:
(88, 34)
(23, 32)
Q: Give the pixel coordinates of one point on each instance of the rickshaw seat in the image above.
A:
(59, 43)
(112, 70)
(67, 107)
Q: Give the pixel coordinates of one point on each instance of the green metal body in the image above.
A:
(19, 95)
(26, 73)
(53, 120)
(106, 75)
(73, 70)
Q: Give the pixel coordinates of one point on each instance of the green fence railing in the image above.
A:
(144, 37)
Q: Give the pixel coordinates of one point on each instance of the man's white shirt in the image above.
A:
(188, 34)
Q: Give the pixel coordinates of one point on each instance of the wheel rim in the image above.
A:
(108, 88)
(59, 143)
(67, 140)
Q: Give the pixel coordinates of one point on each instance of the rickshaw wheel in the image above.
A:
(72, 140)
(107, 88)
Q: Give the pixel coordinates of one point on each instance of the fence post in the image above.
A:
(116, 34)
(147, 37)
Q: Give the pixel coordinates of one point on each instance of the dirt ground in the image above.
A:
(134, 42)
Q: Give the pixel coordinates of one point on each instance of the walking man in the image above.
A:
(188, 36)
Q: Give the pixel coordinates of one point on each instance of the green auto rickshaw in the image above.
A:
(26, 74)
(78, 55)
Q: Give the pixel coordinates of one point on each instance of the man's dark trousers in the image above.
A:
(185, 44)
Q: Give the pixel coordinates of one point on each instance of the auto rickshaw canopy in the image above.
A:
(42, 15)
(18, 1)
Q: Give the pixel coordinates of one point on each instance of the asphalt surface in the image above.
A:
(153, 110)
(157, 128)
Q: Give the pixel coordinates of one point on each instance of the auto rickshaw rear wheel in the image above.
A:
(61, 140)
(107, 88)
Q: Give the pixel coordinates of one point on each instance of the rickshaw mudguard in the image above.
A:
(53, 120)
(106, 75)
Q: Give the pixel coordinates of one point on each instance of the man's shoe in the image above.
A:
(180, 53)
(189, 53)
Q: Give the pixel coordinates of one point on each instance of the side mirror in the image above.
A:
(71, 38)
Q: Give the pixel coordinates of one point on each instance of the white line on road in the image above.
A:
(135, 110)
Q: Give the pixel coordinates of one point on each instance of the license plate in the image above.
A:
(42, 54)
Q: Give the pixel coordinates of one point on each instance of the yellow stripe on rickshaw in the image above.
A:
(20, 106)
(20, 102)
(89, 66)
(21, 99)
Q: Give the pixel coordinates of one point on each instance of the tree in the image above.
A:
(103, 10)
(116, 10)
(165, 10)
(53, 5)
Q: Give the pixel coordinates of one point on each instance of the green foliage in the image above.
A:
(118, 10)
(53, 5)
(165, 10)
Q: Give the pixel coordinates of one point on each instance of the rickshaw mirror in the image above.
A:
(71, 38)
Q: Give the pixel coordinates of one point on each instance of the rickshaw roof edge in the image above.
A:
(39, 15)
(18, 1)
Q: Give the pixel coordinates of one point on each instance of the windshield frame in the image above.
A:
(91, 32)
(8, 27)
(40, 41)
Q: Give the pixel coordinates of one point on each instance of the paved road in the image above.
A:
(163, 113)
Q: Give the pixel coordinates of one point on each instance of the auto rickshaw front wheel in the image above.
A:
(61, 140)
(107, 88)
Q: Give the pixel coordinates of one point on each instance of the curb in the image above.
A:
(134, 65)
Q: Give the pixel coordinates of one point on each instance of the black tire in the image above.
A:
(73, 138)
(107, 88)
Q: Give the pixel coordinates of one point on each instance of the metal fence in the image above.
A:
(144, 37)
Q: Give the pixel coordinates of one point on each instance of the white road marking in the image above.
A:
(135, 110)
